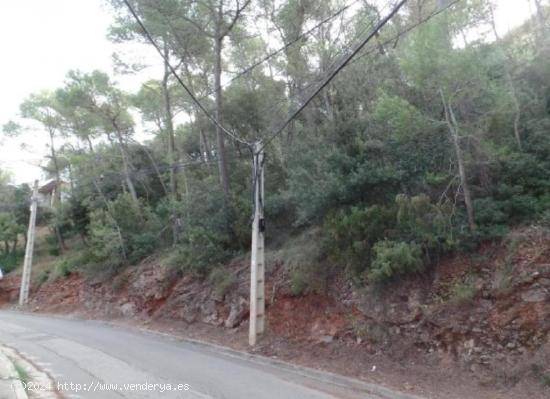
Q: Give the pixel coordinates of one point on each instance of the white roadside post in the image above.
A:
(257, 261)
(27, 264)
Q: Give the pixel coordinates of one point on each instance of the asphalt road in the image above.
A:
(96, 355)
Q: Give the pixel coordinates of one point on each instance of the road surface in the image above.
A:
(101, 361)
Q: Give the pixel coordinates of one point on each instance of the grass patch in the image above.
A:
(10, 261)
(375, 332)
(463, 291)
(541, 375)
(222, 280)
(303, 259)
(22, 374)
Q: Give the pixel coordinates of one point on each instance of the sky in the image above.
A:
(41, 40)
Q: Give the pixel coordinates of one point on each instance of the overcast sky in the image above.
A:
(43, 39)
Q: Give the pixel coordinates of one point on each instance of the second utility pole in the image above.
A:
(27, 264)
(257, 261)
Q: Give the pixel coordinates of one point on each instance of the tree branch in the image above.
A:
(238, 12)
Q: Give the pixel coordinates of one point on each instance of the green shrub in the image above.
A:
(63, 269)
(298, 282)
(489, 212)
(541, 374)
(120, 281)
(125, 233)
(141, 245)
(222, 280)
(425, 223)
(350, 234)
(392, 259)
(369, 329)
(42, 277)
(305, 262)
(545, 218)
(9, 262)
(70, 264)
(463, 291)
(201, 250)
(53, 245)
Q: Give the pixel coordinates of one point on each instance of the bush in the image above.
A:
(71, 264)
(201, 250)
(222, 280)
(211, 230)
(9, 262)
(63, 269)
(305, 263)
(298, 282)
(427, 224)
(392, 259)
(541, 374)
(53, 245)
(463, 291)
(126, 233)
(42, 277)
(350, 234)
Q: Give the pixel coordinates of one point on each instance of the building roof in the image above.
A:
(49, 187)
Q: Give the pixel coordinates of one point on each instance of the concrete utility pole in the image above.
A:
(27, 265)
(257, 263)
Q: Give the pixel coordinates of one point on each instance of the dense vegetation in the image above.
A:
(434, 139)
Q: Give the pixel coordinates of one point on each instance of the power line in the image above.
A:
(286, 46)
(188, 91)
(147, 171)
(383, 43)
(330, 67)
(392, 39)
(331, 76)
(269, 55)
(409, 29)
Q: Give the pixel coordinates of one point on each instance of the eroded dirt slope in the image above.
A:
(478, 326)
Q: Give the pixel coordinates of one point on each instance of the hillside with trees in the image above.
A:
(422, 168)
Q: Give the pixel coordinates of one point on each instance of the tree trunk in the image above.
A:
(218, 45)
(57, 194)
(205, 148)
(455, 138)
(540, 17)
(155, 167)
(169, 124)
(126, 167)
(110, 213)
(510, 83)
(90, 145)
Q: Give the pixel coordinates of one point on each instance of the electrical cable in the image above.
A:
(187, 90)
(331, 76)
(318, 79)
(271, 54)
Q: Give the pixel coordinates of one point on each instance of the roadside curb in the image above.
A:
(307, 372)
(319, 375)
(11, 386)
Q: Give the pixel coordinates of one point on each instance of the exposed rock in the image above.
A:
(237, 313)
(209, 312)
(188, 313)
(469, 344)
(535, 295)
(327, 339)
(128, 309)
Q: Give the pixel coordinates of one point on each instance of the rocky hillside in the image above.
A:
(482, 319)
